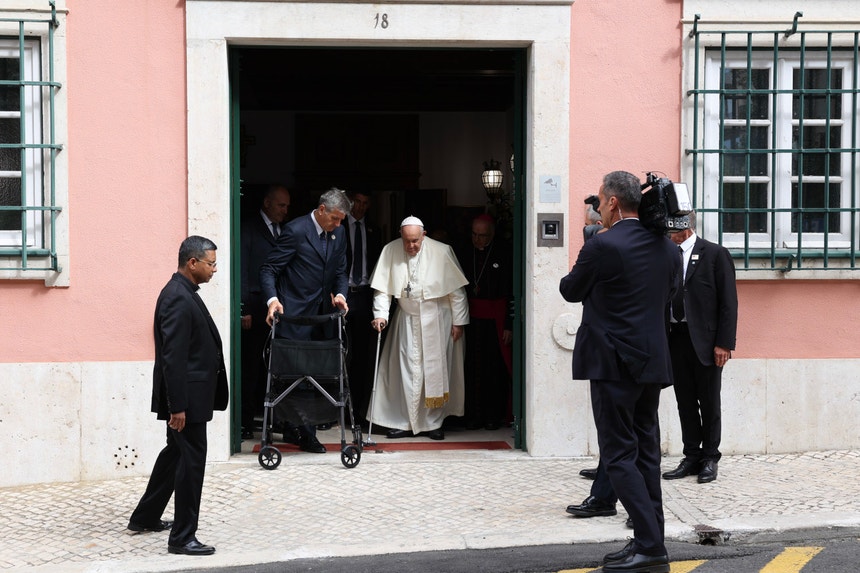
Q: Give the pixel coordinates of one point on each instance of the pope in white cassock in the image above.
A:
(420, 377)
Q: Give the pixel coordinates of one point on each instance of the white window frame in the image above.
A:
(32, 109)
(47, 231)
(783, 179)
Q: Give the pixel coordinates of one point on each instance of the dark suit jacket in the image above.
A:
(372, 247)
(257, 243)
(710, 299)
(625, 278)
(302, 277)
(189, 374)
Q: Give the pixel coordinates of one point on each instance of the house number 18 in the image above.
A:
(381, 21)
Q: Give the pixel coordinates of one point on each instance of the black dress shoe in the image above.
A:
(709, 472)
(629, 523)
(684, 469)
(436, 434)
(193, 547)
(395, 434)
(311, 444)
(619, 555)
(247, 434)
(324, 427)
(589, 473)
(292, 436)
(638, 563)
(160, 526)
(592, 507)
(491, 426)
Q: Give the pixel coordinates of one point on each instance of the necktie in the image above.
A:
(678, 300)
(276, 231)
(324, 242)
(357, 255)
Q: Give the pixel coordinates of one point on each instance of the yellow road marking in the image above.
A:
(674, 567)
(684, 566)
(791, 560)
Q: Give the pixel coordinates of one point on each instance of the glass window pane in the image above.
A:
(735, 106)
(815, 105)
(735, 137)
(735, 197)
(812, 219)
(814, 161)
(10, 196)
(10, 132)
(10, 99)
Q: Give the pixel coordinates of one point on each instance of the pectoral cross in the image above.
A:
(408, 290)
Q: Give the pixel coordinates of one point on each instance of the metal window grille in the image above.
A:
(774, 150)
(28, 146)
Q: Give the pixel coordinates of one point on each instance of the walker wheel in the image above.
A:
(350, 456)
(270, 457)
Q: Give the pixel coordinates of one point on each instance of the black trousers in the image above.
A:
(178, 469)
(487, 384)
(362, 349)
(601, 487)
(628, 433)
(254, 369)
(697, 391)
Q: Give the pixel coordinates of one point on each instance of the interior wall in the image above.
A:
(452, 149)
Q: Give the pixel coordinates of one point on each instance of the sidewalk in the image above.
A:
(311, 506)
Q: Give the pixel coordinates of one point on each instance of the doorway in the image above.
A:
(413, 127)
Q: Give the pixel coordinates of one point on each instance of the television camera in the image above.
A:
(664, 206)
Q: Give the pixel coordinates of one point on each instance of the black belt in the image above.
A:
(359, 288)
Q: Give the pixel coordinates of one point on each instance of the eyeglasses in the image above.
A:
(212, 264)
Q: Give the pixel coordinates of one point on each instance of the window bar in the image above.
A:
(747, 155)
(827, 145)
(52, 192)
(22, 138)
(854, 122)
(696, 96)
(801, 100)
(721, 142)
(774, 146)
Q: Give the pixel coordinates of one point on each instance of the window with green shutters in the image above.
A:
(774, 160)
(30, 204)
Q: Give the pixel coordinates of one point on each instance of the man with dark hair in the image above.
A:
(364, 243)
(702, 334)
(305, 275)
(189, 381)
(625, 278)
(259, 233)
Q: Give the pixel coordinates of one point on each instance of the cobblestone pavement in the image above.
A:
(411, 501)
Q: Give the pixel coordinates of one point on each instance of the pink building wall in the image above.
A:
(128, 209)
(127, 196)
(625, 114)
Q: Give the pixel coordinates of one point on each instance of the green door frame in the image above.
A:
(235, 260)
(518, 378)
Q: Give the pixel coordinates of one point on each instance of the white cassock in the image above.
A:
(420, 377)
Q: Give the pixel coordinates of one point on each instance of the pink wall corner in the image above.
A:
(625, 71)
(127, 193)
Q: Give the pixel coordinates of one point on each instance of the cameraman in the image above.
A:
(625, 278)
